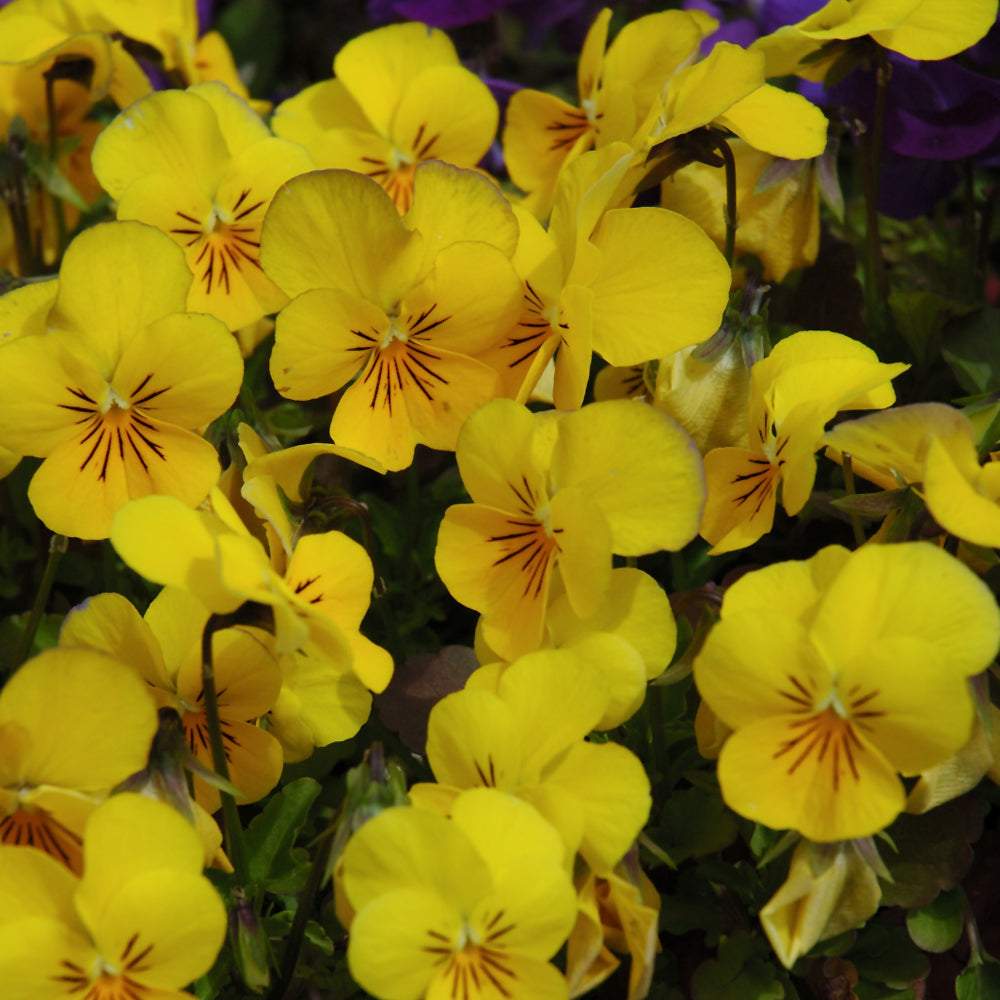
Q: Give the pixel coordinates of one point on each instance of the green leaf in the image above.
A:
(888, 956)
(694, 823)
(938, 925)
(272, 834)
(52, 178)
(739, 971)
(979, 981)
(921, 317)
(972, 349)
(935, 852)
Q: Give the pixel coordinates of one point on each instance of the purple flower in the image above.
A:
(453, 13)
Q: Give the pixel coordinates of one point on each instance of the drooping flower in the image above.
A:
(73, 724)
(108, 394)
(473, 906)
(553, 498)
(406, 303)
(839, 673)
(164, 647)
(201, 166)
(807, 379)
(617, 913)
(141, 922)
(399, 97)
(525, 735)
(780, 224)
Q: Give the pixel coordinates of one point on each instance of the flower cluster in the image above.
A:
(465, 540)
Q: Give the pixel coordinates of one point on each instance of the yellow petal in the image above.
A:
(778, 122)
(739, 508)
(937, 29)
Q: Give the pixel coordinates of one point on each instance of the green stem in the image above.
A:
(16, 197)
(50, 101)
(990, 436)
(235, 844)
(57, 546)
(657, 728)
(859, 531)
(282, 989)
(876, 279)
(730, 210)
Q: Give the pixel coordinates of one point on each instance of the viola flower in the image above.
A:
(554, 502)
(73, 724)
(934, 447)
(527, 738)
(164, 648)
(399, 97)
(830, 889)
(108, 395)
(918, 29)
(405, 304)
(472, 906)
(214, 557)
(631, 284)
(616, 89)
(143, 920)
(618, 912)
(201, 166)
(807, 379)
(839, 673)
(778, 220)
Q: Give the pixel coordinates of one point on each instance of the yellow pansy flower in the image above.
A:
(557, 496)
(73, 724)
(616, 89)
(839, 673)
(108, 394)
(322, 594)
(780, 224)
(918, 29)
(935, 447)
(201, 166)
(630, 284)
(527, 738)
(406, 304)
(807, 379)
(400, 97)
(472, 906)
(164, 647)
(142, 921)
(618, 912)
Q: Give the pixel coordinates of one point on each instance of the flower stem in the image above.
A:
(730, 216)
(235, 844)
(859, 531)
(57, 546)
(876, 280)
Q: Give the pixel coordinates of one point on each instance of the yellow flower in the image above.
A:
(631, 284)
(838, 673)
(780, 224)
(544, 134)
(73, 724)
(618, 912)
(527, 738)
(164, 647)
(408, 304)
(918, 29)
(830, 889)
(473, 906)
(202, 167)
(213, 556)
(807, 379)
(935, 447)
(400, 97)
(143, 920)
(556, 496)
(108, 394)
